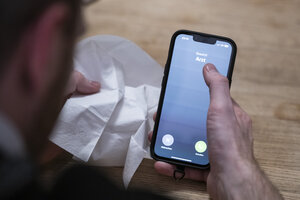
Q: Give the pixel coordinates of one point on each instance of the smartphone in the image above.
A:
(179, 134)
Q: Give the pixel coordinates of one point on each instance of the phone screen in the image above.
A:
(181, 132)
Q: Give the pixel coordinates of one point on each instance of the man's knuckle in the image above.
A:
(222, 80)
(239, 114)
(217, 108)
(248, 119)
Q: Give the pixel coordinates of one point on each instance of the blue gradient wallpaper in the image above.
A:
(181, 132)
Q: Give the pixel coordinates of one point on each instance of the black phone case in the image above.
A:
(162, 94)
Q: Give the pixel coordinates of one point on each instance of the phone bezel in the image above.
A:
(163, 89)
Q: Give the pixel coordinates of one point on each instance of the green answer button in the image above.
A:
(200, 146)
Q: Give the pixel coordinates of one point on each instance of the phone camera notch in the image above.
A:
(204, 39)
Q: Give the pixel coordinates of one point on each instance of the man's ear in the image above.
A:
(42, 41)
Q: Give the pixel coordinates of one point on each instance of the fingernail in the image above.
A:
(95, 83)
(210, 67)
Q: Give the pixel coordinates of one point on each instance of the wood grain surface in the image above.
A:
(266, 78)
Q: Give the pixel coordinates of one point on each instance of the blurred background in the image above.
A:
(266, 78)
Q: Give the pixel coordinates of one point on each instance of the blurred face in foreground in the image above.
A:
(34, 77)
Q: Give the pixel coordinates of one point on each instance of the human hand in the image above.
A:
(233, 173)
(79, 84)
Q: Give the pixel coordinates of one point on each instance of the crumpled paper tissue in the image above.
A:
(110, 128)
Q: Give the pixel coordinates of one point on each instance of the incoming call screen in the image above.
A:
(181, 134)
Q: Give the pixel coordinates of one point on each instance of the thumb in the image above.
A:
(85, 86)
(218, 86)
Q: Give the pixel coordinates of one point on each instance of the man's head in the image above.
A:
(36, 45)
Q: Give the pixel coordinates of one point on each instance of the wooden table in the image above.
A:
(266, 79)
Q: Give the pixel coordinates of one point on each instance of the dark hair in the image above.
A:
(17, 15)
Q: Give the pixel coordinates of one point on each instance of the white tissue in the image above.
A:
(110, 128)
